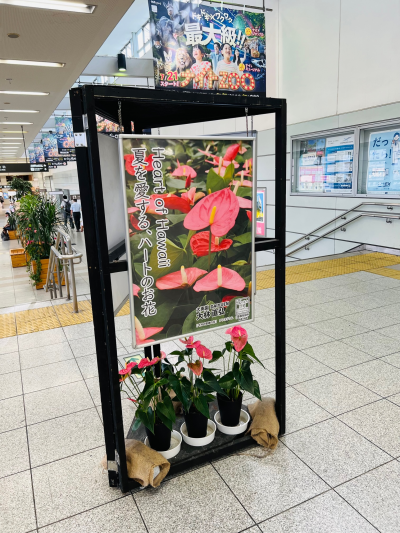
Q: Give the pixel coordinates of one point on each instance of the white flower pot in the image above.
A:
(235, 430)
(211, 428)
(175, 448)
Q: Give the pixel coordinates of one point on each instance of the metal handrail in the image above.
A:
(66, 261)
(374, 215)
(311, 234)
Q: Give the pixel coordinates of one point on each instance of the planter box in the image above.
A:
(13, 235)
(18, 258)
(43, 273)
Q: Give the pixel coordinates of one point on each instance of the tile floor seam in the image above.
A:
(67, 456)
(356, 510)
(363, 473)
(234, 495)
(140, 514)
(27, 442)
(54, 386)
(365, 387)
(59, 416)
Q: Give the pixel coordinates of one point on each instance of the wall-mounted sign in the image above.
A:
(190, 230)
(261, 220)
(200, 47)
(23, 167)
(384, 162)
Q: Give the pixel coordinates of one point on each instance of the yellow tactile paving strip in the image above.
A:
(56, 316)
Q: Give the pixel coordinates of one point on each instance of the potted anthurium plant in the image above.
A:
(237, 356)
(151, 395)
(195, 392)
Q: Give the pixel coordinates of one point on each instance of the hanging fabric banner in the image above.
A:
(65, 136)
(200, 47)
(49, 143)
(190, 231)
(31, 155)
(39, 154)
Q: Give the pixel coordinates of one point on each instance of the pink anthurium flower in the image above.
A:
(131, 170)
(192, 196)
(185, 171)
(244, 203)
(200, 243)
(230, 297)
(136, 289)
(188, 341)
(182, 279)
(220, 277)
(131, 365)
(196, 368)
(143, 334)
(203, 352)
(231, 152)
(146, 362)
(239, 337)
(217, 210)
(220, 162)
(124, 373)
(249, 214)
(171, 201)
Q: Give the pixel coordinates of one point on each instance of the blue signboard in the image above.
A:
(384, 162)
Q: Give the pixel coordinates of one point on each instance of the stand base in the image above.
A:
(190, 457)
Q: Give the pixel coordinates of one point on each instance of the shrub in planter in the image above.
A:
(237, 356)
(195, 392)
(151, 395)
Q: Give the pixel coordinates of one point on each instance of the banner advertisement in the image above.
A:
(200, 47)
(39, 154)
(384, 162)
(106, 126)
(326, 164)
(261, 214)
(31, 155)
(49, 143)
(65, 136)
(190, 231)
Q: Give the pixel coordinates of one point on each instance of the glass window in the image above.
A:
(323, 164)
(143, 40)
(140, 39)
(379, 161)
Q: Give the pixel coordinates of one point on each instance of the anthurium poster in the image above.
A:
(190, 232)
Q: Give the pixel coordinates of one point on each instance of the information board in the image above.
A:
(261, 220)
(384, 162)
(213, 48)
(190, 232)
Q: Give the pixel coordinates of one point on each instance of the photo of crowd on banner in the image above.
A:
(208, 48)
(57, 147)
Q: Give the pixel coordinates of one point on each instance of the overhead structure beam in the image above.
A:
(107, 66)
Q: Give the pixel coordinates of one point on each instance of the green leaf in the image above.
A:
(256, 387)
(179, 386)
(214, 181)
(229, 173)
(249, 350)
(228, 381)
(177, 256)
(199, 384)
(245, 238)
(201, 405)
(175, 183)
(244, 191)
(176, 218)
(165, 420)
(216, 355)
(182, 239)
(146, 417)
(212, 382)
(136, 424)
(240, 263)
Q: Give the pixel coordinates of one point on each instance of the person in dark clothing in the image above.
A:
(76, 213)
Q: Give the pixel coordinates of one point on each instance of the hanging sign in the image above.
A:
(261, 221)
(200, 47)
(190, 231)
(39, 153)
(65, 136)
(31, 155)
(49, 143)
(384, 162)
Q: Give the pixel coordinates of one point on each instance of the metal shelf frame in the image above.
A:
(149, 108)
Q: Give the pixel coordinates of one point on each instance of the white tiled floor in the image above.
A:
(336, 470)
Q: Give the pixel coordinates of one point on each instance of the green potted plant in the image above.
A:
(21, 187)
(195, 392)
(38, 219)
(151, 395)
(237, 356)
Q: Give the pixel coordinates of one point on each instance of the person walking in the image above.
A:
(76, 213)
(66, 207)
(2, 202)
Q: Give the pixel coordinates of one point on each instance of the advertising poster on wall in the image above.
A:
(65, 136)
(384, 162)
(190, 231)
(39, 154)
(106, 126)
(326, 164)
(261, 213)
(200, 47)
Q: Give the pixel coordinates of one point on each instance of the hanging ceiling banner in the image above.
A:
(200, 47)
(39, 154)
(190, 230)
(65, 136)
(50, 147)
(31, 155)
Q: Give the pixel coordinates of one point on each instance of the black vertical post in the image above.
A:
(280, 264)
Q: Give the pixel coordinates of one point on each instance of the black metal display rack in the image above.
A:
(148, 108)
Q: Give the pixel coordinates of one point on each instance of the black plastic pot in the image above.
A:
(229, 410)
(196, 423)
(160, 440)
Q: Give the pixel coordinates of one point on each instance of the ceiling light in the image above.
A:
(18, 111)
(121, 62)
(31, 63)
(52, 4)
(16, 123)
(11, 138)
(6, 131)
(25, 93)
(9, 143)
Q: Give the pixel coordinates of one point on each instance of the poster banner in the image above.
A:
(31, 155)
(106, 126)
(190, 231)
(384, 162)
(39, 154)
(65, 136)
(200, 47)
(49, 143)
(261, 230)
